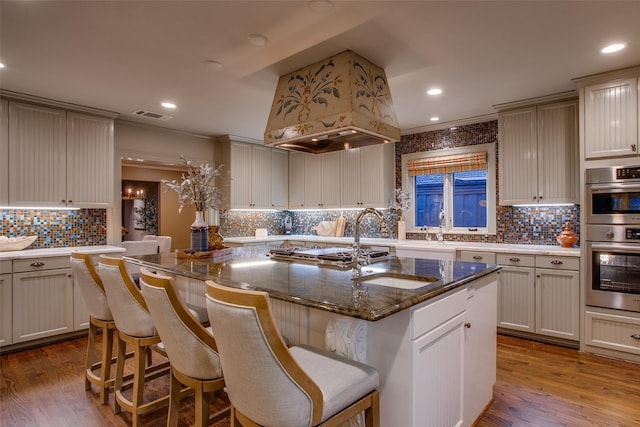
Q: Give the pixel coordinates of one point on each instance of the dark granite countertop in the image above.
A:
(325, 288)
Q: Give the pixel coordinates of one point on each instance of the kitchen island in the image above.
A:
(430, 332)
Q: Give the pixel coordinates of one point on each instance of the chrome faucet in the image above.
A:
(358, 259)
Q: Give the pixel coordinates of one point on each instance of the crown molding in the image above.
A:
(18, 96)
(561, 96)
(444, 125)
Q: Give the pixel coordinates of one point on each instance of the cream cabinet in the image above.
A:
(368, 176)
(540, 294)
(611, 119)
(615, 330)
(42, 298)
(59, 158)
(4, 152)
(314, 181)
(5, 303)
(539, 154)
(255, 183)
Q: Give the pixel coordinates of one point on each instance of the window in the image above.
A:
(455, 186)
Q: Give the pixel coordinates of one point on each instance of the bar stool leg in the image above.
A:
(105, 370)
(91, 353)
(122, 353)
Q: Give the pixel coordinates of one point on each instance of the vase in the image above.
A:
(402, 230)
(199, 233)
(567, 238)
(216, 241)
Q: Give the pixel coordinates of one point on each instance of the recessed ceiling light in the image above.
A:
(1, 65)
(434, 91)
(170, 105)
(320, 5)
(613, 48)
(434, 119)
(257, 39)
(212, 64)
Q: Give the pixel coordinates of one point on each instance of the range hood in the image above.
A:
(339, 103)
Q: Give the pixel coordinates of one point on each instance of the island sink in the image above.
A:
(398, 281)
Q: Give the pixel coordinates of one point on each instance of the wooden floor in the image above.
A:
(537, 385)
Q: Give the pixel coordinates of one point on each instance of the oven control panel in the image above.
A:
(632, 234)
(628, 173)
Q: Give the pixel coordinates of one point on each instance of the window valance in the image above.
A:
(447, 164)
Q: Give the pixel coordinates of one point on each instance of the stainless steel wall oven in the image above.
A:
(613, 237)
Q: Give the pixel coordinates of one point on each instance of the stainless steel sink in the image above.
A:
(398, 281)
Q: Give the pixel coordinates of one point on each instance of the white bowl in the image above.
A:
(15, 243)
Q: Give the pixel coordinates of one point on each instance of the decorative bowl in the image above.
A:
(16, 243)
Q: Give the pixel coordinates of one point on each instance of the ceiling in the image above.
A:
(124, 56)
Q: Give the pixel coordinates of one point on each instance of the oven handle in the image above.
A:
(614, 187)
(614, 247)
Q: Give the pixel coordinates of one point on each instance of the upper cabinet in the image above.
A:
(539, 154)
(314, 180)
(368, 176)
(4, 149)
(609, 114)
(59, 158)
(258, 177)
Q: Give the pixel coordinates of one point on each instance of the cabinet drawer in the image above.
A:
(612, 331)
(5, 267)
(473, 256)
(39, 264)
(558, 262)
(517, 260)
(425, 319)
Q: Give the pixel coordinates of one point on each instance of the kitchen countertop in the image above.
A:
(66, 251)
(325, 288)
(421, 244)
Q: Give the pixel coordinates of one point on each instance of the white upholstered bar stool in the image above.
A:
(192, 350)
(135, 328)
(269, 384)
(86, 278)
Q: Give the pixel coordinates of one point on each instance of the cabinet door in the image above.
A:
(42, 304)
(438, 360)
(558, 303)
(90, 161)
(279, 179)
(296, 180)
(240, 175)
(350, 172)
(331, 182)
(518, 156)
(260, 177)
(5, 309)
(313, 181)
(4, 152)
(37, 156)
(558, 166)
(516, 298)
(611, 119)
(377, 175)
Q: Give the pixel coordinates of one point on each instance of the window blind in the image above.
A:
(447, 164)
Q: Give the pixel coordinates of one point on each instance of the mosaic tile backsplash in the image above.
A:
(56, 228)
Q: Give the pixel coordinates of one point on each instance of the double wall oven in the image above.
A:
(613, 237)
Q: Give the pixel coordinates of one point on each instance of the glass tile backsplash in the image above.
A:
(56, 228)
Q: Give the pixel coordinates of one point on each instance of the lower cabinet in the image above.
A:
(5, 306)
(612, 330)
(540, 294)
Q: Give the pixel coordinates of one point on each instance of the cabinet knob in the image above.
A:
(633, 147)
(514, 259)
(467, 325)
(609, 234)
(37, 264)
(635, 336)
(556, 262)
(477, 257)
(63, 201)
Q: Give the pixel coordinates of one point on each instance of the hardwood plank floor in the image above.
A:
(537, 385)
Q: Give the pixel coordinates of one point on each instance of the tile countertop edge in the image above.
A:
(423, 244)
(66, 251)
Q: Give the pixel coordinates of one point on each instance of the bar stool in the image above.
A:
(269, 384)
(191, 349)
(135, 328)
(86, 278)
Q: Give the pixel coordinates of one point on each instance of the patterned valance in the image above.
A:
(446, 164)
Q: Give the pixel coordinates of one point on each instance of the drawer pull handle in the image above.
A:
(514, 259)
(477, 257)
(556, 262)
(467, 325)
(635, 336)
(37, 264)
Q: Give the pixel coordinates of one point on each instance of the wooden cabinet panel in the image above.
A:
(240, 175)
(42, 304)
(611, 119)
(260, 177)
(613, 331)
(331, 180)
(516, 298)
(313, 181)
(5, 310)
(351, 182)
(4, 152)
(296, 179)
(37, 155)
(90, 161)
(279, 179)
(558, 303)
